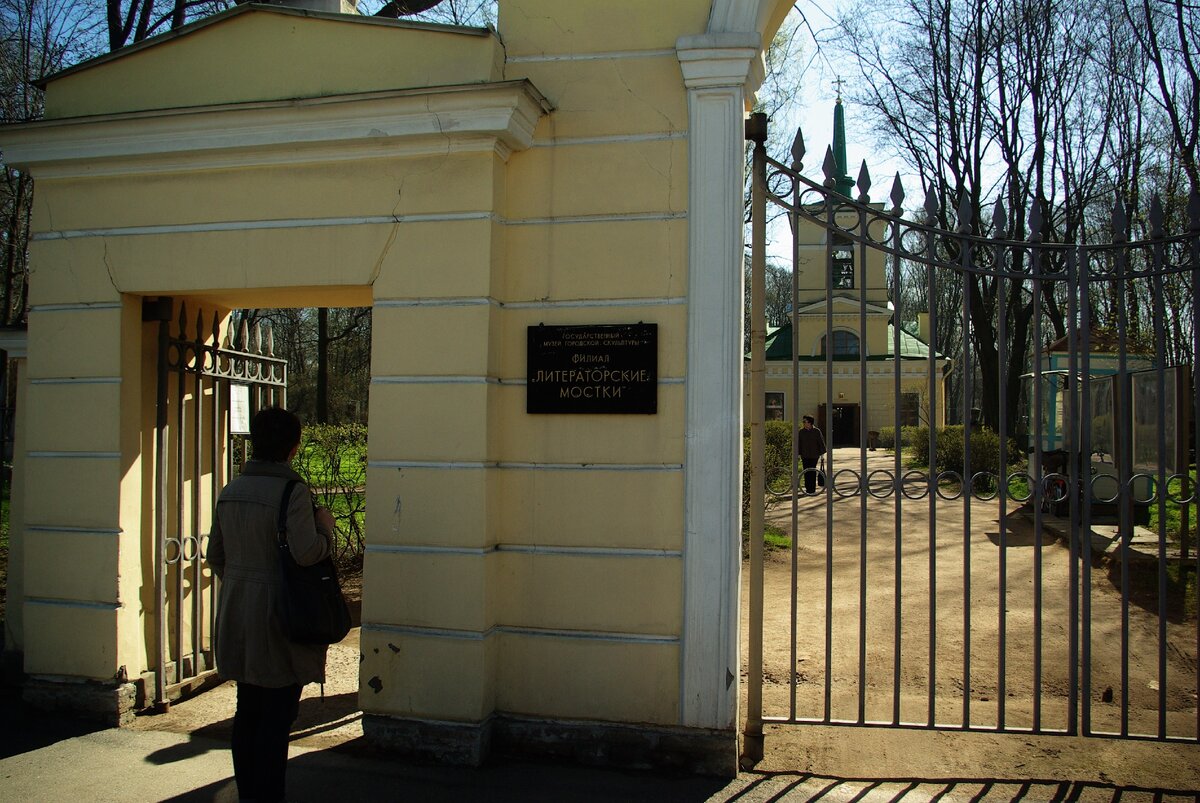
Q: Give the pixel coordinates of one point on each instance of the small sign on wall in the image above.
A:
(239, 409)
(604, 368)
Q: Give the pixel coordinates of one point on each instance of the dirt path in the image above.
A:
(955, 583)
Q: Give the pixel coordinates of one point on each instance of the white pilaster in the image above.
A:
(720, 72)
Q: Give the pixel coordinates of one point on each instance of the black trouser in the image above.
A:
(260, 740)
(810, 474)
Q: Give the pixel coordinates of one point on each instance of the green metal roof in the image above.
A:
(779, 346)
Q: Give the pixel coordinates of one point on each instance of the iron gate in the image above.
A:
(1007, 592)
(204, 387)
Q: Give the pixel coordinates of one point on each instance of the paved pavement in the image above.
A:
(55, 758)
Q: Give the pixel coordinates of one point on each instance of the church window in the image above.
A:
(842, 270)
(845, 344)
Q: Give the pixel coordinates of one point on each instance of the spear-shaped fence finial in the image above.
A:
(864, 184)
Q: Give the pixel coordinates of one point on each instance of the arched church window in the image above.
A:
(845, 344)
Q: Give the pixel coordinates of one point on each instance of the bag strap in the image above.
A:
(281, 525)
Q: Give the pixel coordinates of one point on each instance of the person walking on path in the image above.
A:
(251, 647)
(810, 444)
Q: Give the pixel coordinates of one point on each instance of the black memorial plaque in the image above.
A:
(610, 368)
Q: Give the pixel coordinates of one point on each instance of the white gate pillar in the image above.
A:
(720, 71)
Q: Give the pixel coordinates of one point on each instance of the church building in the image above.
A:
(846, 283)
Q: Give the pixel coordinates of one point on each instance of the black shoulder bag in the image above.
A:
(310, 605)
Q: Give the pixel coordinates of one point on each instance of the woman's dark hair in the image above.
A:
(273, 433)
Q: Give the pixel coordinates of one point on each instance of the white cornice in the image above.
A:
(722, 60)
(481, 117)
(848, 306)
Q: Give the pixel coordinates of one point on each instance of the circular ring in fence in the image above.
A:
(942, 478)
(816, 480)
(912, 242)
(985, 486)
(844, 488)
(880, 488)
(1106, 499)
(168, 545)
(878, 230)
(780, 485)
(1029, 486)
(1153, 481)
(1055, 487)
(811, 198)
(781, 184)
(915, 478)
(1181, 481)
(194, 543)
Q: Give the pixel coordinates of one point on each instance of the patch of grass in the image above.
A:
(1174, 510)
(774, 538)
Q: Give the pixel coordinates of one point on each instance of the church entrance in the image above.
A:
(843, 430)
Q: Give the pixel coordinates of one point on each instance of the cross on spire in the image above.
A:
(838, 81)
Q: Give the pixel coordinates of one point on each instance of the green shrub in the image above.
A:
(887, 437)
(332, 460)
(985, 450)
(777, 461)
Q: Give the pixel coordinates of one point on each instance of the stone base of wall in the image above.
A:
(439, 742)
(604, 744)
(112, 704)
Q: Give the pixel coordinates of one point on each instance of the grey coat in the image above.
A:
(250, 644)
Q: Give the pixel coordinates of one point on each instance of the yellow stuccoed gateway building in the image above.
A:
(562, 580)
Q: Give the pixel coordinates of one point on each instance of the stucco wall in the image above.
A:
(466, 186)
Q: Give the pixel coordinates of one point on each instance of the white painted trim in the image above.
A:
(82, 307)
(565, 303)
(50, 528)
(590, 466)
(449, 465)
(483, 117)
(589, 552)
(481, 635)
(374, 220)
(631, 217)
(613, 55)
(524, 549)
(596, 302)
(74, 603)
(434, 380)
(256, 225)
(458, 465)
(460, 301)
(15, 344)
(717, 71)
(77, 380)
(589, 635)
(617, 139)
(402, 549)
(714, 60)
(740, 15)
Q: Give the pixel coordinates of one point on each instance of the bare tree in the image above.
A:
(130, 21)
(39, 37)
(477, 13)
(1036, 107)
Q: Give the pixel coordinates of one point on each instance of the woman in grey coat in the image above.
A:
(251, 646)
